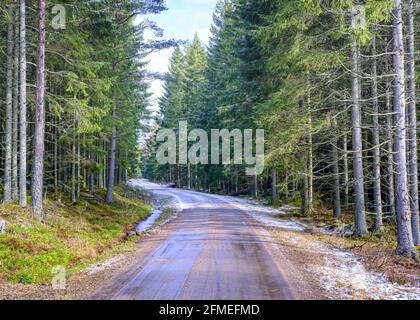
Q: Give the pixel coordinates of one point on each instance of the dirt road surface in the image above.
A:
(212, 250)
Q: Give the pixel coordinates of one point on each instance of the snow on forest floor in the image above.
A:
(342, 274)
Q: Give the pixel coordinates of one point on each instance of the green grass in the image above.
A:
(72, 236)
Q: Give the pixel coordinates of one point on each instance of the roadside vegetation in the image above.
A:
(69, 235)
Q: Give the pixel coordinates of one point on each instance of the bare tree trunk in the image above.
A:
(78, 168)
(9, 114)
(360, 215)
(56, 160)
(405, 240)
(390, 148)
(73, 197)
(112, 153)
(254, 179)
(22, 101)
(91, 173)
(189, 175)
(15, 129)
(376, 144)
(274, 184)
(346, 170)
(336, 169)
(305, 202)
(412, 127)
(310, 165)
(178, 178)
(39, 134)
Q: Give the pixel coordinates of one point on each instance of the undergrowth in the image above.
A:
(69, 235)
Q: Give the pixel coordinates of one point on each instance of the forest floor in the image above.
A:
(35, 253)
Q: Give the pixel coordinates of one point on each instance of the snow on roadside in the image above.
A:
(101, 266)
(266, 215)
(343, 276)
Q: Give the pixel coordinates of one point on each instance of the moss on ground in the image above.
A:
(70, 235)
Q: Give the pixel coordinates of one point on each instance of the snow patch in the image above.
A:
(343, 276)
(99, 267)
(266, 215)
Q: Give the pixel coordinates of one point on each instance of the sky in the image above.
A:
(181, 21)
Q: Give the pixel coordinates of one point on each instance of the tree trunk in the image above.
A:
(189, 175)
(56, 159)
(412, 127)
(9, 114)
(91, 173)
(15, 129)
(336, 169)
(390, 146)
(78, 168)
(376, 144)
(22, 103)
(405, 241)
(39, 134)
(360, 218)
(274, 184)
(310, 165)
(346, 170)
(112, 153)
(73, 197)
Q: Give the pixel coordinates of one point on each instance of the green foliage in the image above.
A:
(70, 235)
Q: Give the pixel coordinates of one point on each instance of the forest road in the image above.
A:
(211, 251)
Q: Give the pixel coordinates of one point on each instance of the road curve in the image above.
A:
(211, 251)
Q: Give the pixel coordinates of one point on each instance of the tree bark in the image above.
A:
(22, 103)
(346, 170)
(310, 164)
(15, 125)
(39, 134)
(73, 196)
(405, 241)
(112, 153)
(274, 184)
(7, 197)
(336, 171)
(376, 144)
(360, 215)
(390, 145)
(412, 127)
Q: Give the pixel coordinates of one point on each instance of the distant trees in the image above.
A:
(72, 106)
(312, 75)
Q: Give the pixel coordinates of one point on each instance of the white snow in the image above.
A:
(99, 267)
(343, 276)
(266, 215)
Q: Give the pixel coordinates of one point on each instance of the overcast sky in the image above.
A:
(181, 21)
